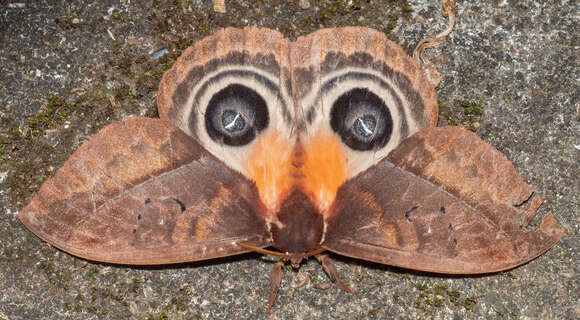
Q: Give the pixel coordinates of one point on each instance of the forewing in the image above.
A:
(142, 192)
(443, 201)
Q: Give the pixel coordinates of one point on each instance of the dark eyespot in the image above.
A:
(235, 115)
(361, 119)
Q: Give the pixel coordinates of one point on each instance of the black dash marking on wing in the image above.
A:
(413, 208)
(181, 204)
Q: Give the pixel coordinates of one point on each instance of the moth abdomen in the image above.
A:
(300, 224)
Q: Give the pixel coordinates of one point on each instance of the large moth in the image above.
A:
(293, 148)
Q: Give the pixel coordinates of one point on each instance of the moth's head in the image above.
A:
(296, 259)
(305, 115)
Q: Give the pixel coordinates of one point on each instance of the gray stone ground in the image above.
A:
(63, 76)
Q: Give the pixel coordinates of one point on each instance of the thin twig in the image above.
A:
(448, 9)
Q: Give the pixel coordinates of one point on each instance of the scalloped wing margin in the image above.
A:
(444, 201)
(142, 192)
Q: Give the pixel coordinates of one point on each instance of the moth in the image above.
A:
(327, 143)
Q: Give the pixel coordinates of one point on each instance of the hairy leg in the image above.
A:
(331, 271)
(275, 281)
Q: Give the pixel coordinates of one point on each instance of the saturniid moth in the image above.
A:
(293, 148)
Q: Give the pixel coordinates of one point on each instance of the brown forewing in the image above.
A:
(447, 205)
(142, 192)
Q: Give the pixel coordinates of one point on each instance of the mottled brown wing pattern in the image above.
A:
(470, 170)
(446, 205)
(142, 192)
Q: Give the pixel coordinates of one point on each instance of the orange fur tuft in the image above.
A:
(318, 167)
(325, 168)
(269, 167)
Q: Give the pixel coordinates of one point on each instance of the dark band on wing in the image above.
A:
(266, 62)
(242, 75)
(338, 60)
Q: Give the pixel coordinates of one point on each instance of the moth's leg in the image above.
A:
(331, 271)
(275, 281)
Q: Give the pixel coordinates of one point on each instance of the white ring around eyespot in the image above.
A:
(234, 156)
(360, 160)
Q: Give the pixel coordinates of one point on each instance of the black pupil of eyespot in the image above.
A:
(235, 114)
(362, 119)
(365, 125)
(233, 121)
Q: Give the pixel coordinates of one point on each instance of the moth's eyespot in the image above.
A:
(235, 115)
(361, 119)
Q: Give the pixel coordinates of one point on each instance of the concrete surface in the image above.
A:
(68, 68)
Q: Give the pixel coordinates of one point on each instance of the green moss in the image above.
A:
(438, 295)
(157, 73)
(439, 288)
(423, 285)
(34, 154)
(438, 302)
(177, 308)
(453, 295)
(469, 303)
(465, 113)
(472, 107)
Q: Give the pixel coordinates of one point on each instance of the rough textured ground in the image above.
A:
(68, 68)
